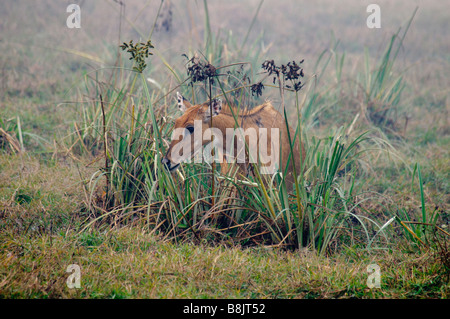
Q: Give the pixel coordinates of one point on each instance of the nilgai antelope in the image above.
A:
(263, 128)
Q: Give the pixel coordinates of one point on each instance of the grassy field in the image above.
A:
(83, 129)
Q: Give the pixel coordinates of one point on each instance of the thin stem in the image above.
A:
(129, 96)
(212, 140)
(105, 145)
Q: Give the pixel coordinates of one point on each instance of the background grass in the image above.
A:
(146, 233)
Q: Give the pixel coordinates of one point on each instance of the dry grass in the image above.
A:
(130, 264)
(43, 201)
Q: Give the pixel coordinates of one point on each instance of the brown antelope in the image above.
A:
(264, 131)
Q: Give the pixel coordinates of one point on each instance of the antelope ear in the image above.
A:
(216, 108)
(182, 103)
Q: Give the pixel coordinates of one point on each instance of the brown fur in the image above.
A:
(264, 115)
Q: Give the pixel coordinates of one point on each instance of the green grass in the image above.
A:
(129, 264)
(375, 188)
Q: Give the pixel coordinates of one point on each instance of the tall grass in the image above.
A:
(381, 88)
(423, 230)
(128, 123)
(13, 136)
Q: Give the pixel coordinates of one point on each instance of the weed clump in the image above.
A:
(139, 52)
(257, 89)
(200, 71)
(292, 71)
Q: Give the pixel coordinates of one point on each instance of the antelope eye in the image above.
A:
(190, 128)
